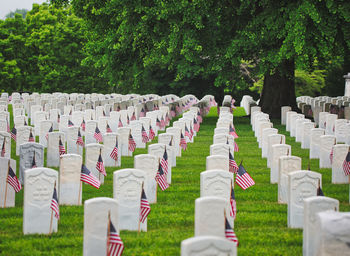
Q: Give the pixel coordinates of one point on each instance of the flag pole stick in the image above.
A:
(108, 230)
(8, 169)
(139, 228)
(79, 193)
(51, 219)
(241, 162)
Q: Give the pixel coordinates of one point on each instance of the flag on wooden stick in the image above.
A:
(98, 135)
(100, 166)
(54, 203)
(13, 180)
(229, 233)
(346, 164)
(114, 153)
(161, 178)
(145, 207)
(243, 179)
(115, 245)
(87, 177)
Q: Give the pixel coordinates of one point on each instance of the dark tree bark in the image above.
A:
(279, 90)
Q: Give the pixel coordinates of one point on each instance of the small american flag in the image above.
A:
(144, 135)
(58, 118)
(98, 135)
(236, 148)
(199, 117)
(87, 177)
(100, 166)
(151, 133)
(133, 117)
(195, 125)
(3, 149)
(331, 155)
(54, 204)
(164, 162)
(243, 179)
(127, 119)
(172, 113)
(183, 143)
(145, 207)
(142, 113)
(8, 125)
(114, 243)
(187, 133)
(233, 167)
(120, 124)
(114, 153)
(158, 122)
(47, 134)
(161, 179)
(191, 131)
(167, 118)
(233, 208)
(103, 113)
(34, 161)
(61, 148)
(83, 125)
(132, 143)
(229, 233)
(108, 129)
(319, 191)
(232, 132)
(13, 181)
(346, 164)
(70, 123)
(31, 137)
(80, 141)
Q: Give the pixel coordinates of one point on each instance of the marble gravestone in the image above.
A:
(92, 153)
(136, 131)
(22, 136)
(27, 152)
(217, 183)
(332, 233)
(209, 216)
(341, 130)
(176, 132)
(299, 128)
(158, 150)
(326, 144)
(293, 126)
(96, 211)
(315, 135)
(264, 143)
(90, 127)
(109, 142)
(72, 136)
(284, 110)
(149, 164)
(301, 184)
(4, 186)
(260, 127)
(340, 152)
(208, 245)
(307, 127)
(278, 150)
(168, 139)
(287, 164)
(273, 139)
(70, 189)
(330, 121)
(322, 120)
(217, 162)
(5, 136)
(127, 188)
(221, 149)
(289, 119)
(44, 129)
(53, 155)
(123, 138)
(312, 206)
(38, 190)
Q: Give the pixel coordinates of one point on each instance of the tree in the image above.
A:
(23, 12)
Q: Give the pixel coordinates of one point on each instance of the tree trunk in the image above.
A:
(278, 90)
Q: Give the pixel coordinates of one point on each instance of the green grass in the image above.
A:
(261, 223)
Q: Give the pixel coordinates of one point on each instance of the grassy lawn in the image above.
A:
(261, 223)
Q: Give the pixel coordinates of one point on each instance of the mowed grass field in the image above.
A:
(261, 223)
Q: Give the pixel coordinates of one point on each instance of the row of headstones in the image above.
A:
(299, 188)
(129, 183)
(39, 183)
(311, 107)
(321, 141)
(213, 207)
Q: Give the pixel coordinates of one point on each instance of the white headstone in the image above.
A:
(273, 139)
(92, 153)
(6, 136)
(340, 152)
(312, 206)
(208, 245)
(302, 184)
(307, 127)
(326, 144)
(315, 135)
(38, 191)
(158, 150)
(278, 150)
(209, 218)
(127, 188)
(341, 130)
(53, 155)
(109, 143)
(96, 211)
(330, 120)
(70, 185)
(264, 145)
(284, 111)
(22, 136)
(289, 119)
(10, 194)
(287, 164)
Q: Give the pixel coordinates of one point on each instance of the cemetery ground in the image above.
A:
(261, 223)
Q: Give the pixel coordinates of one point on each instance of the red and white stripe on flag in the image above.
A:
(243, 179)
